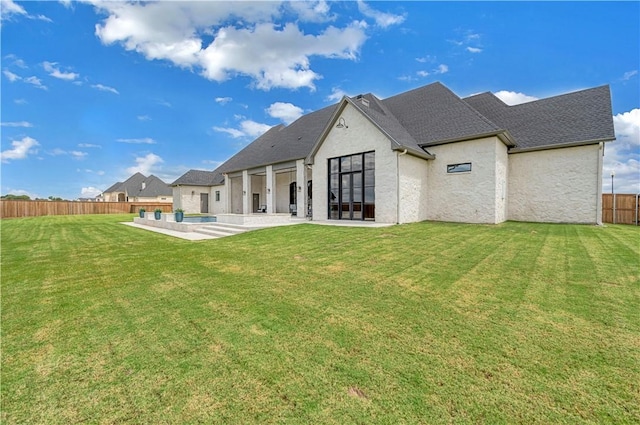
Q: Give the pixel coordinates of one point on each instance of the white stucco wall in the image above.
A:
(188, 198)
(360, 136)
(413, 189)
(217, 207)
(556, 185)
(472, 197)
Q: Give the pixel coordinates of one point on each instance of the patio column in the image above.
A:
(246, 193)
(226, 207)
(271, 190)
(301, 183)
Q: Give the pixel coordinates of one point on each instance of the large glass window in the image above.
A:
(352, 187)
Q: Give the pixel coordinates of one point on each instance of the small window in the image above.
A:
(217, 196)
(459, 168)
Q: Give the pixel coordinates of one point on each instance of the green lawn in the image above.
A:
(422, 323)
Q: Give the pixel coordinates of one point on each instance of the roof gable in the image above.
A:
(380, 116)
(434, 114)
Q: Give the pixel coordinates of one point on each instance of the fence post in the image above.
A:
(614, 208)
(637, 198)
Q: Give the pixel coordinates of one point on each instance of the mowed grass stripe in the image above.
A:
(421, 323)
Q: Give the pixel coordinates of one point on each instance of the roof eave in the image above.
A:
(503, 135)
(561, 145)
(414, 152)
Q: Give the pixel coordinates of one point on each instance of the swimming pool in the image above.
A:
(201, 219)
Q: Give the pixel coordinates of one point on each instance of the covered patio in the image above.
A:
(273, 190)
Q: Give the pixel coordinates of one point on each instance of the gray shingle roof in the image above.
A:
(582, 116)
(153, 186)
(199, 178)
(432, 115)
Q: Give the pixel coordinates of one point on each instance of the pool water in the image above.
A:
(202, 219)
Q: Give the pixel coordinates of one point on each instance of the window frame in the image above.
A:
(451, 168)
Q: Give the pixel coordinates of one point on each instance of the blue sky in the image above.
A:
(93, 92)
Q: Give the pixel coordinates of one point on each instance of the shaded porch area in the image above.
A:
(272, 190)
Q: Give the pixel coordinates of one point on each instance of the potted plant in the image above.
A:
(179, 215)
(157, 213)
(141, 212)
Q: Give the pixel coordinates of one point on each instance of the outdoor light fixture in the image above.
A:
(342, 123)
(244, 192)
(268, 190)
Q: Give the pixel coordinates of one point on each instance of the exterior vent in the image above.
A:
(144, 185)
(362, 100)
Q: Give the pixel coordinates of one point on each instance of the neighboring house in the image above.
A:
(139, 188)
(425, 154)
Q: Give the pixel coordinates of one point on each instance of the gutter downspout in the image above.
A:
(404, 152)
(601, 147)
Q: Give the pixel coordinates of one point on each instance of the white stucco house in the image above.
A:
(425, 154)
(138, 188)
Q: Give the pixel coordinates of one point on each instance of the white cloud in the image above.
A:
(627, 75)
(55, 72)
(254, 129)
(145, 164)
(15, 60)
(144, 141)
(9, 9)
(286, 112)
(514, 98)
(223, 100)
(336, 95)
(88, 145)
(20, 101)
(78, 155)
(233, 132)
(87, 170)
(11, 76)
(426, 59)
(247, 128)
(311, 11)
(422, 74)
(16, 124)
(623, 155)
(105, 88)
(251, 52)
(474, 49)
(21, 149)
(627, 124)
(144, 118)
(382, 19)
(35, 81)
(90, 192)
(442, 69)
(272, 55)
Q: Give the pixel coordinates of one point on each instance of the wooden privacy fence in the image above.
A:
(20, 208)
(626, 209)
